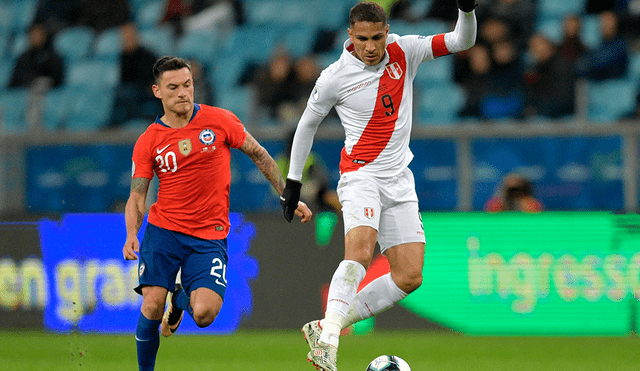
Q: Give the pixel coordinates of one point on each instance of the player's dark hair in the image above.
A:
(168, 64)
(367, 11)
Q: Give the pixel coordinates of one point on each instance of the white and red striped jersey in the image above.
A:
(375, 103)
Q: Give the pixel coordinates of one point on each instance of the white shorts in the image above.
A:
(388, 205)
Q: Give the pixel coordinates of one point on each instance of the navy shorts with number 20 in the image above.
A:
(164, 252)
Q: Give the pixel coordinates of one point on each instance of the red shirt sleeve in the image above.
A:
(142, 166)
(236, 133)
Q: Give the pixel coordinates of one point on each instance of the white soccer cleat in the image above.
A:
(312, 331)
(324, 357)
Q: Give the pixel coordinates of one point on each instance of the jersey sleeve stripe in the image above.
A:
(438, 46)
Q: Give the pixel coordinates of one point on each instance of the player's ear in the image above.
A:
(156, 91)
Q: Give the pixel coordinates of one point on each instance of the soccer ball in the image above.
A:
(388, 363)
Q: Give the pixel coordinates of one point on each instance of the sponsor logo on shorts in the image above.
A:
(141, 270)
(368, 212)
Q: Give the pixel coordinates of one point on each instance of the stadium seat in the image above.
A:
(254, 43)
(439, 105)
(591, 31)
(239, 101)
(93, 74)
(199, 45)
(424, 28)
(74, 43)
(611, 99)
(24, 13)
(551, 28)
(18, 46)
(108, 45)
(634, 67)
(55, 109)
(148, 15)
(225, 71)
(298, 39)
(13, 108)
(6, 68)
(89, 110)
(437, 71)
(278, 12)
(559, 9)
(7, 22)
(159, 40)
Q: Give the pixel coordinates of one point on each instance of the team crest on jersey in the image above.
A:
(394, 70)
(185, 146)
(207, 136)
(368, 212)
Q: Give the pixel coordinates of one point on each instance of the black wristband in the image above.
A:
(467, 5)
(293, 185)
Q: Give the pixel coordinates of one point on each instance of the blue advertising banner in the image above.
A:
(90, 286)
(567, 173)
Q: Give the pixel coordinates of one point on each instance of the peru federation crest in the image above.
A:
(394, 70)
(368, 212)
(185, 146)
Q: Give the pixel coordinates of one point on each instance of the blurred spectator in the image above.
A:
(443, 10)
(39, 61)
(305, 74)
(56, 15)
(476, 83)
(97, 14)
(191, 15)
(611, 58)
(203, 92)
(514, 193)
(550, 81)
(134, 97)
(505, 96)
(519, 15)
(571, 47)
(275, 83)
(101, 15)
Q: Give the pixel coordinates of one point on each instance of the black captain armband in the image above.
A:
(467, 5)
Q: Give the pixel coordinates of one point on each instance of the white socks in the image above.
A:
(342, 291)
(376, 297)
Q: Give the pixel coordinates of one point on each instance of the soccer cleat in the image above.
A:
(172, 316)
(324, 357)
(312, 331)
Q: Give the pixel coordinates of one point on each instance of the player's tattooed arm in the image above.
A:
(263, 161)
(134, 211)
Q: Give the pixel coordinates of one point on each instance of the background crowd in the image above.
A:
(85, 64)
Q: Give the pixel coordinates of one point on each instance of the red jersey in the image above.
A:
(193, 166)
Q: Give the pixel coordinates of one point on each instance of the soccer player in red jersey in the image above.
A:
(188, 149)
(371, 88)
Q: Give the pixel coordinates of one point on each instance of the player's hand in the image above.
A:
(467, 5)
(303, 212)
(131, 247)
(289, 198)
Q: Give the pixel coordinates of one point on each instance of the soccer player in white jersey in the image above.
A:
(371, 88)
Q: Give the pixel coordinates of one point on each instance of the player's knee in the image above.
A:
(410, 281)
(204, 316)
(152, 309)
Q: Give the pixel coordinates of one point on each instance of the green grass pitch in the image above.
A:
(281, 350)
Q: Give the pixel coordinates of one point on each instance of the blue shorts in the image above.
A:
(164, 252)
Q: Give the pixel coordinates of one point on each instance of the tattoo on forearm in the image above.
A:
(264, 162)
(269, 168)
(140, 185)
(139, 220)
